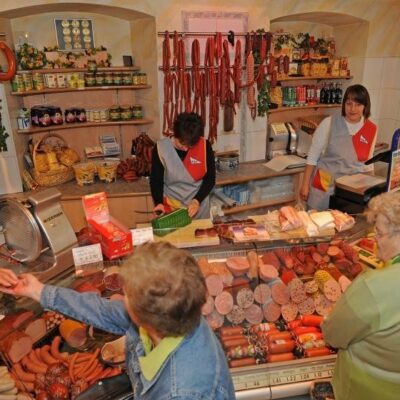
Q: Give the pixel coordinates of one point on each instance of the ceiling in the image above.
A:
(326, 18)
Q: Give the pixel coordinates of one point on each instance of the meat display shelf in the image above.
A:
(308, 107)
(273, 381)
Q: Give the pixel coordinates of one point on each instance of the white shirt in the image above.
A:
(321, 137)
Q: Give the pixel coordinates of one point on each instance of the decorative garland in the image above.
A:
(303, 41)
(29, 57)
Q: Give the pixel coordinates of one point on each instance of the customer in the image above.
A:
(340, 146)
(183, 169)
(365, 323)
(171, 353)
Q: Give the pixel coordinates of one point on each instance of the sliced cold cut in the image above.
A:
(279, 292)
(214, 284)
(238, 265)
(215, 320)
(297, 290)
(208, 306)
(245, 298)
(322, 305)
(307, 306)
(236, 316)
(262, 293)
(253, 314)
(289, 311)
(267, 271)
(16, 346)
(224, 303)
(272, 311)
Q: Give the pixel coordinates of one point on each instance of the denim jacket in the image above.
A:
(196, 369)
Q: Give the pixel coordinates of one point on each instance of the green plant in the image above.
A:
(263, 99)
(30, 57)
(3, 138)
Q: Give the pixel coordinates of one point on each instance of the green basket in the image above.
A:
(170, 222)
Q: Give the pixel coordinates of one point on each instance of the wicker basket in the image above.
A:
(309, 124)
(170, 222)
(50, 178)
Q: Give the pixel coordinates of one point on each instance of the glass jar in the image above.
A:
(80, 114)
(18, 84)
(143, 79)
(92, 66)
(69, 115)
(90, 79)
(56, 115)
(99, 79)
(135, 78)
(114, 113)
(108, 78)
(126, 78)
(28, 82)
(38, 82)
(137, 111)
(117, 79)
(126, 113)
(61, 80)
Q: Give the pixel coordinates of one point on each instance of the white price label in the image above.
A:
(142, 235)
(87, 254)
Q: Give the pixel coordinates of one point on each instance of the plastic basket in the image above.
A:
(170, 222)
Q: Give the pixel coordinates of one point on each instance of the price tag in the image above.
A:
(142, 235)
(87, 254)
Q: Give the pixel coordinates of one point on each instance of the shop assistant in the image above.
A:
(340, 146)
(365, 323)
(171, 352)
(183, 169)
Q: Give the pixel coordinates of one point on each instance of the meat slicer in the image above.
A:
(38, 238)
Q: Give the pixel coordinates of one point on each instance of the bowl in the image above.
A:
(228, 162)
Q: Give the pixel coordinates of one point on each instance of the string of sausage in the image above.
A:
(167, 105)
(251, 99)
(196, 79)
(237, 71)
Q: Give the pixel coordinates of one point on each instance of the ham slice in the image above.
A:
(36, 329)
(343, 221)
(16, 346)
(289, 218)
(238, 265)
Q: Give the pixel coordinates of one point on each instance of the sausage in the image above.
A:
(33, 366)
(294, 324)
(214, 284)
(267, 271)
(253, 261)
(279, 292)
(284, 346)
(245, 298)
(231, 331)
(272, 311)
(264, 327)
(289, 311)
(311, 320)
(71, 367)
(297, 290)
(280, 357)
(270, 258)
(215, 320)
(253, 314)
(21, 374)
(236, 316)
(11, 61)
(241, 341)
(242, 351)
(299, 330)
(46, 356)
(262, 293)
(305, 337)
(54, 349)
(335, 251)
(317, 352)
(243, 362)
(284, 335)
(238, 265)
(285, 258)
(95, 373)
(208, 306)
(224, 303)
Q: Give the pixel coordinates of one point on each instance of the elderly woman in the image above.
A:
(171, 353)
(365, 323)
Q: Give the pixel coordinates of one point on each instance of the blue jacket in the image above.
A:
(196, 369)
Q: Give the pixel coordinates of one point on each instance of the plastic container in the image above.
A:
(170, 222)
(84, 173)
(107, 170)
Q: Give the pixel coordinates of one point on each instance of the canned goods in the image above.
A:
(18, 84)
(114, 113)
(89, 115)
(126, 78)
(28, 82)
(61, 81)
(126, 113)
(137, 111)
(50, 81)
(38, 82)
(117, 79)
(135, 78)
(89, 79)
(103, 115)
(80, 83)
(96, 116)
(99, 79)
(108, 78)
(143, 78)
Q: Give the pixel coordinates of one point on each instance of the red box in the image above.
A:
(115, 239)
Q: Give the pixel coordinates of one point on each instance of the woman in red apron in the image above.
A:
(183, 169)
(340, 146)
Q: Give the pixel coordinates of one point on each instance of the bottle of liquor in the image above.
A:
(339, 94)
(322, 95)
(331, 95)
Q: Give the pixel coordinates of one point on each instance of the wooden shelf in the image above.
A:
(261, 204)
(76, 125)
(86, 88)
(62, 70)
(313, 78)
(315, 107)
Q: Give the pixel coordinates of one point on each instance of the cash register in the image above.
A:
(352, 192)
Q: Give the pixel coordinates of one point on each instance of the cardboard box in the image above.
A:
(115, 239)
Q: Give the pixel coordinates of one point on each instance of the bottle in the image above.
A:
(318, 93)
(331, 94)
(322, 95)
(339, 94)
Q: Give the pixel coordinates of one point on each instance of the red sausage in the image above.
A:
(317, 352)
(284, 346)
(299, 330)
(235, 342)
(280, 357)
(285, 335)
(243, 362)
(311, 320)
(231, 330)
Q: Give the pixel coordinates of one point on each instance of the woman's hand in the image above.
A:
(26, 285)
(7, 278)
(193, 208)
(159, 209)
(304, 192)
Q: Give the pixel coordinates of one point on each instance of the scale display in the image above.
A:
(255, 379)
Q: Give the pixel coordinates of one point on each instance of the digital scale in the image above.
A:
(268, 381)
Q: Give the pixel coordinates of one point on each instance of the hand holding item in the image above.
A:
(7, 278)
(304, 191)
(159, 209)
(193, 208)
(26, 285)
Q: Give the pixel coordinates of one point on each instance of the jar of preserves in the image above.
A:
(114, 113)
(43, 116)
(28, 82)
(38, 82)
(90, 79)
(69, 115)
(126, 78)
(56, 115)
(96, 116)
(61, 80)
(99, 79)
(108, 78)
(137, 111)
(103, 115)
(126, 112)
(80, 114)
(18, 84)
(135, 78)
(50, 81)
(143, 78)
(117, 79)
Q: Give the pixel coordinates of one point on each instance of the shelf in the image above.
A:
(261, 204)
(32, 131)
(57, 70)
(86, 88)
(315, 107)
(313, 78)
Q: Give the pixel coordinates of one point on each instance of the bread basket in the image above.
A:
(51, 177)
